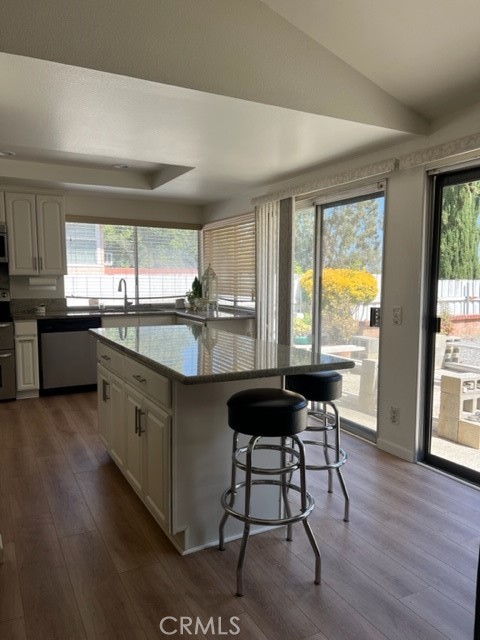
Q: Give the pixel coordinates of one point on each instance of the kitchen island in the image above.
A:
(162, 393)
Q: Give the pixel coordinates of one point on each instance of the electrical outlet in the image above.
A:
(397, 315)
(394, 414)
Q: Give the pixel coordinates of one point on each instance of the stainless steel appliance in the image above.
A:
(7, 350)
(67, 354)
(3, 244)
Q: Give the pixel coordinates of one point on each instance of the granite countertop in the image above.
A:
(199, 316)
(193, 354)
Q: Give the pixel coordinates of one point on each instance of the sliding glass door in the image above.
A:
(349, 259)
(453, 399)
(338, 293)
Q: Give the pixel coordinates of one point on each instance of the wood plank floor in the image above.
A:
(84, 559)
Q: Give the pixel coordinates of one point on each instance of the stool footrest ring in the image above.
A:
(331, 465)
(327, 418)
(268, 521)
(289, 467)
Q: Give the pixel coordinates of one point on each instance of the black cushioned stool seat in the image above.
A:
(268, 413)
(323, 388)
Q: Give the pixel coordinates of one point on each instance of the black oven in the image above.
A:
(3, 244)
(7, 354)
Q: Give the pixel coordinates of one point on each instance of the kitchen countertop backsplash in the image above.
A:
(25, 307)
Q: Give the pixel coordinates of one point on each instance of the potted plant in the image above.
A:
(195, 293)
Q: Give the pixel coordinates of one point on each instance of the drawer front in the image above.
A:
(119, 321)
(156, 320)
(25, 327)
(149, 382)
(110, 358)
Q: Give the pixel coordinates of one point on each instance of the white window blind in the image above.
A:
(229, 247)
(268, 257)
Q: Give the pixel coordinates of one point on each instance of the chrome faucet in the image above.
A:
(125, 299)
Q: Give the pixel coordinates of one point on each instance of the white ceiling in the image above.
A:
(425, 53)
(211, 137)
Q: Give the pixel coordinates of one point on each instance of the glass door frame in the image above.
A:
(368, 192)
(438, 182)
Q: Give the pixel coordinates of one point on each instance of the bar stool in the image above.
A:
(324, 387)
(268, 413)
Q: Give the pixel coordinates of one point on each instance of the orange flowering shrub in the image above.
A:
(343, 291)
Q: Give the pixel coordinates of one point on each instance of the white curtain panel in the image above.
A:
(267, 218)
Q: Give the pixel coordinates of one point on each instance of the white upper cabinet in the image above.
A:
(36, 234)
(51, 235)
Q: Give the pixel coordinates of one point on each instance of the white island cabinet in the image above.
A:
(162, 411)
(134, 425)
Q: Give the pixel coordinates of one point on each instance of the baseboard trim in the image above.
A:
(396, 450)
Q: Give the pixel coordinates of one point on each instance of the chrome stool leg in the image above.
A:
(339, 454)
(233, 493)
(330, 423)
(246, 511)
(306, 524)
(286, 503)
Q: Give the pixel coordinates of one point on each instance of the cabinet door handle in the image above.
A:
(105, 391)
(4, 326)
(34, 263)
(140, 430)
(5, 355)
(136, 420)
(40, 263)
(139, 378)
(104, 357)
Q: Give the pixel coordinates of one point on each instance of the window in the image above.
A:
(158, 263)
(229, 247)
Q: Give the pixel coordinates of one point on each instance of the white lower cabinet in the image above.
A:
(111, 417)
(136, 430)
(26, 358)
(147, 465)
(103, 405)
(133, 463)
(157, 488)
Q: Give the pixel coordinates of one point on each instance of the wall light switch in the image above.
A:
(397, 315)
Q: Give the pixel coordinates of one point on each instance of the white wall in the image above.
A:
(402, 286)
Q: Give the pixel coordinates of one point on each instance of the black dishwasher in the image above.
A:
(67, 354)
